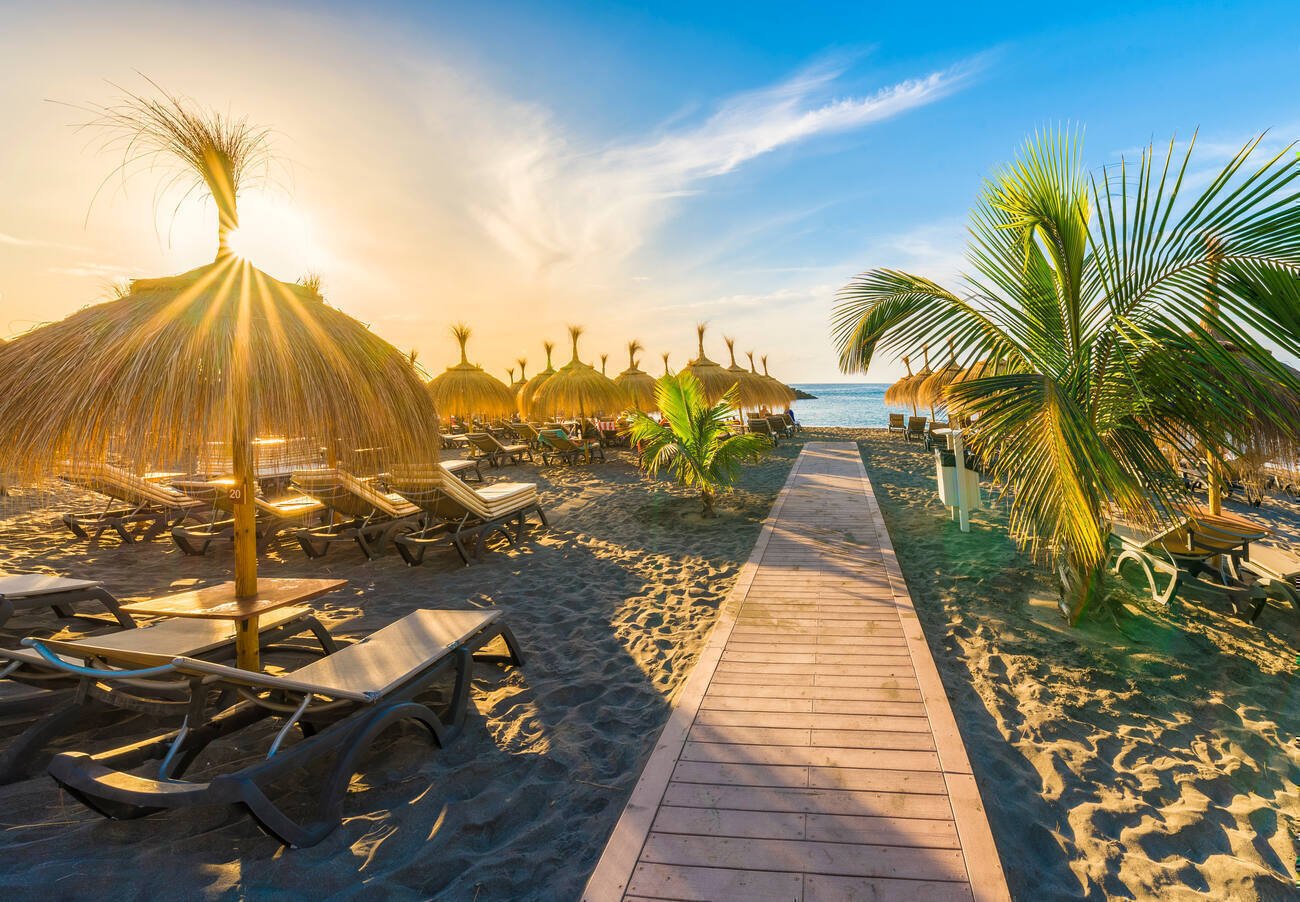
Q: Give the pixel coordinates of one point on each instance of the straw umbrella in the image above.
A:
(910, 392)
(752, 391)
(578, 387)
(894, 394)
(524, 399)
(713, 378)
(637, 386)
(222, 351)
(931, 391)
(467, 389)
(774, 393)
(784, 393)
(523, 377)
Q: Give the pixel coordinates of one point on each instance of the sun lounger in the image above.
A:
(791, 423)
(779, 426)
(459, 514)
(760, 426)
(370, 515)
(26, 591)
(340, 703)
(1180, 552)
(463, 468)
(1277, 572)
(143, 511)
(915, 429)
(556, 445)
(274, 516)
(96, 698)
(526, 433)
(897, 425)
(486, 446)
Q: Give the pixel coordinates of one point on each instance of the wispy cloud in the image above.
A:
(93, 270)
(555, 207)
(15, 241)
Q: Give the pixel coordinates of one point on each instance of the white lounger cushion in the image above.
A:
(158, 643)
(1273, 562)
(29, 585)
(370, 669)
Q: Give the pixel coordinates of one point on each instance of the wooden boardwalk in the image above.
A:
(812, 753)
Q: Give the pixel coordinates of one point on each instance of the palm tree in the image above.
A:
(1106, 338)
(693, 441)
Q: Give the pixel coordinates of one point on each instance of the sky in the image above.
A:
(635, 169)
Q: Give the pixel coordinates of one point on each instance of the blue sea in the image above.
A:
(860, 404)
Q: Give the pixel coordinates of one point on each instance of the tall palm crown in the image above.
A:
(1104, 338)
(693, 442)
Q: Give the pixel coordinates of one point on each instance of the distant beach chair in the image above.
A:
(275, 516)
(779, 426)
(932, 440)
(341, 703)
(30, 591)
(372, 515)
(556, 445)
(761, 426)
(527, 434)
(897, 425)
(96, 695)
(145, 509)
(915, 429)
(459, 513)
(496, 454)
(791, 423)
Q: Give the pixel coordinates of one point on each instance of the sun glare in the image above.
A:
(275, 235)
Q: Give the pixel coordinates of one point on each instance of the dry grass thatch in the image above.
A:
(894, 394)
(930, 392)
(774, 393)
(466, 390)
(524, 398)
(578, 388)
(523, 377)
(713, 378)
(154, 375)
(785, 393)
(638, 387)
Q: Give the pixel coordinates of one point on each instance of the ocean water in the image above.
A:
(858, 404)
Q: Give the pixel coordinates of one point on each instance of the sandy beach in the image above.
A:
(1155, 758)
(610, 606)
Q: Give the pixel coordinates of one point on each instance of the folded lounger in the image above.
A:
(143, 511)
(369, 515)
(157, 698)
(25, 591)
(341, 704)
(464, 467)
(460, 513)
(274, 516)
(496, 454)
(557, 445)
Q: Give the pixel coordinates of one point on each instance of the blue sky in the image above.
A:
(640, 168)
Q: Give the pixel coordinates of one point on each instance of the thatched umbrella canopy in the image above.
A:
(714, 379)
(221, 352)
(638, 387)
(894, 394)
(752, 390)
(467, 390)
(787, 395)
(524, 399)
(931, 391)
(774, 393)
(523, 378)
(578, 388)
(910, 392)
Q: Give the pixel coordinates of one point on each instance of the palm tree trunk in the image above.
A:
(1081, 585)
(706, 496)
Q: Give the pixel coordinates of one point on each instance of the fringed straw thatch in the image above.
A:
(930, 393)
(910, 392)
(638, 387)
(785, 394)
(524, 398)
(712, 377)
(578, 389)
(774, 393)
(752, 392)
(223, 352)
(894, 394)
(466, 390)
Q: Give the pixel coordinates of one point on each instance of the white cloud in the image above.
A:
(557, 206)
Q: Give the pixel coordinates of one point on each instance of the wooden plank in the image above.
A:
(916, 753)
(812, 721)
(662, 881)
(847, 859)
(724, 822)
(833, 888)
(923, 832)
(808, 801)
(817, 693)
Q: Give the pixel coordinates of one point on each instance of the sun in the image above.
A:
(275, 235)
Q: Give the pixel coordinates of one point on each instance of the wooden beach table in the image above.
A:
(811, 754)
(219, 603)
